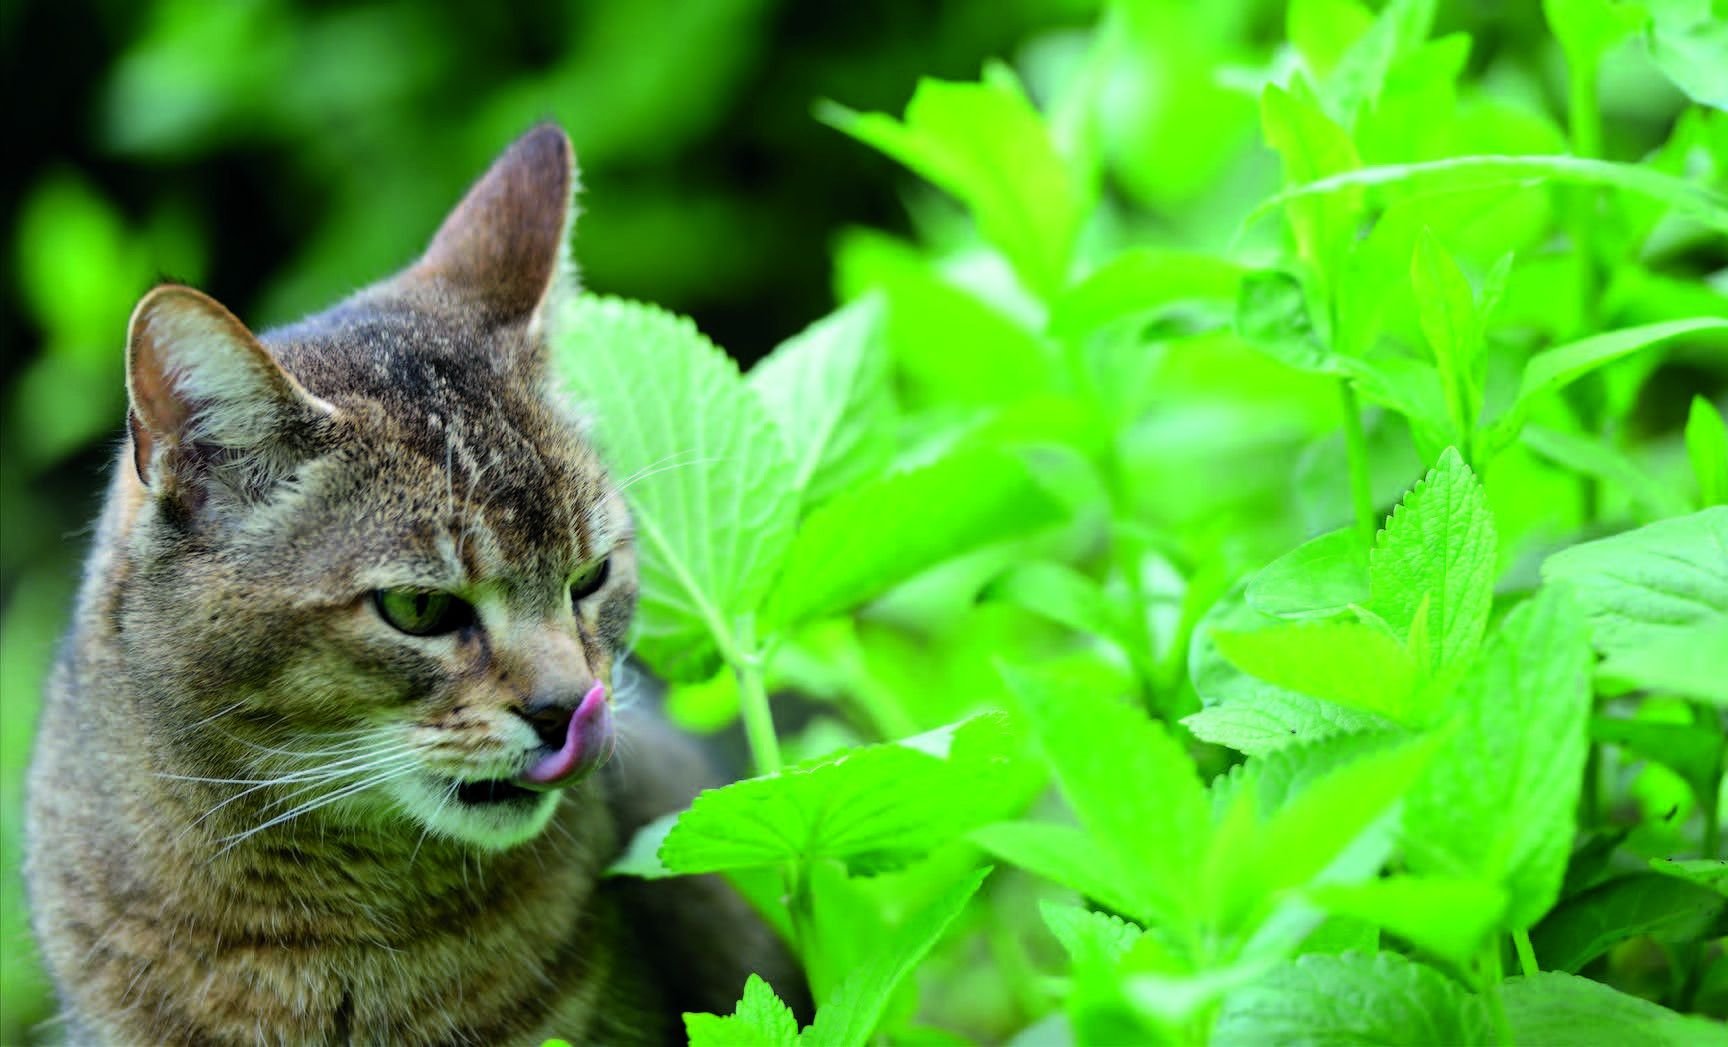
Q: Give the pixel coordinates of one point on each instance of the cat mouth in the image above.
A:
(494, 792)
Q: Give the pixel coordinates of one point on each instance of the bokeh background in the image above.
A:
(281, 154)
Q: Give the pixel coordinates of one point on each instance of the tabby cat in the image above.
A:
(321, 760)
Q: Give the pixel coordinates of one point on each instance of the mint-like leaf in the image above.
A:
(706, 473)
(1345, 662)
(761, 1020)
(1438, 546)
(1586, 925)
(1564, 1010)
(1353, 998)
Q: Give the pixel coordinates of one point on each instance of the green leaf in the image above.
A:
(1596, 457)
(1691, 751)
(1084, 933)
(1587, 29)
(1398, 30)
(1450, 918)
(986, 144)
(1133, 786)
(1499, 803)
(827, 388)
(1313, 147)
(1272, 316)
(1564, 1010)
(1462, 174)
(1707, 872)
(1352, 999)
(1061, 594)
(865, 541)
(1346, 662)
(761, 1020)
(1322, 576)
(1657, 600)
(1687, 42)
(1558, 367)
(875, 807)
(850, 1017)
(1588, 924)
(1069, 856)
(706, 474)
(1707, 445)
(1446, 307)
(1438, 546)
(1138, 282)
(1323, 30)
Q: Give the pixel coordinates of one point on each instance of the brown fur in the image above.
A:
(225, 637)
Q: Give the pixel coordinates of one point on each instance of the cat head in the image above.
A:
(370, 557)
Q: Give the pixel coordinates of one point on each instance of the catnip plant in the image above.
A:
(1284, 629)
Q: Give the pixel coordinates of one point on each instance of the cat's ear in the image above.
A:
(207, 400)
(504, 245)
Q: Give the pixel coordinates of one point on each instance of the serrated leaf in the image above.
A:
(827, 389)
(875, 807)
(1345, 662)
(760, 1020)
(1499, 803)
(1657, 600)
(1322, 576)
(1450, 918)
(1586, 925)
(986, 144)
(1133, 786)
(1564, 1010)
(850, 1017)
(1438, 545)
(868, 539)
(1352, 999)
(1558, 367)
(1084, 933)
(705, 472)
(1707, 446)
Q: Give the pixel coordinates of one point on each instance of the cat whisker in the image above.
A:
(341, 793)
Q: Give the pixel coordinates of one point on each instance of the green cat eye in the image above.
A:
(589, 580)
(422, 612)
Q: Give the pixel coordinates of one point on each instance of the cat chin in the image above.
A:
(433, 802)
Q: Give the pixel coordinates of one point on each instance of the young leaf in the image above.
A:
(1558, 367)
(1449, 918)
(1066, 855)
(1083, 932)
(873, 537)
(1499, 802)
(1586, 925)
(1137, 282)
(706, 474)
(1346, 662)
(1398, 30)
(1564, 1010)
(1438, 546)
(1459, 174)
(1353, 998)
(827, 388)
(1662, 588)
(875, 807)
(1707, 445)
(761, 1020)
(1272, 316)
(1061, 594)
(1322, 576)
(1134, 787)
(989, 147)
(1447, 309)
(850, 1017)
(1313, 147)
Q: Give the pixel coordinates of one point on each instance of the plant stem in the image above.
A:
(1709, 799)
(1356, 454)
(1491, 976)
(1526, 954)
(753, 702)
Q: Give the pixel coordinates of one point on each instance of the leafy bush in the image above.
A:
(1066, 496)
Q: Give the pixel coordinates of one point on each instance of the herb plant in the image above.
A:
(1338, 566)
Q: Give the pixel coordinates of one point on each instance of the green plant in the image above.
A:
(1063, 495)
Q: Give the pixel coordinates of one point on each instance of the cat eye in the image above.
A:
(422, 612)
(589, 580)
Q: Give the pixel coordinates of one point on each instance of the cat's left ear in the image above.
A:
(503, 247)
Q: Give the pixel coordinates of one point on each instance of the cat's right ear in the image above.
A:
(207, 399)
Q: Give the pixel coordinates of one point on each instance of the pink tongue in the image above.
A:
(587, 744)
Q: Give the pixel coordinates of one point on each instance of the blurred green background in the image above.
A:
(279, 155)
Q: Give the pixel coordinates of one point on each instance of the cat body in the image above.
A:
(321, 759)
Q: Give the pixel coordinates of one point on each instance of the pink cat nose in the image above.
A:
(587, 741)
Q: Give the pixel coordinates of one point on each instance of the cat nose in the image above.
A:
(549, 714)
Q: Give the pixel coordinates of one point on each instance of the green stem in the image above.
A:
(1526, 954)
(1356, 454)
(801, 907)
(753, 701)
(1492, 973)
(1709, 799)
